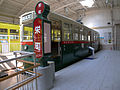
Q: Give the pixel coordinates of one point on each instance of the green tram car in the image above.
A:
(69, 40)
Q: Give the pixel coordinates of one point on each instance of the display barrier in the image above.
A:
(27, 79)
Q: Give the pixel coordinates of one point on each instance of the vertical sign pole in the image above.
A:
(42, 11)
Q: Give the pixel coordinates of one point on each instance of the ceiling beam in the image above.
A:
(83, 6)
(29, 2)
(8, 15)
(72, 10)
(1, 1)
(15, 2)
(96, 4)
(65, 6)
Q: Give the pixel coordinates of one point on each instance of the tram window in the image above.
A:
(56, 28)
(79, 36)
(75, 36)
(85, 35)
(56, 35)
(82, 37)
(70, 32)
(66, 25)
(66, 35)
(88, 37)
(14, 31)
(94, 37)
(14, 37)
(3, 33)
(27, 33)
(14, 34)
(66, 31)
(3, 37)
(76, 29)
(81, 32)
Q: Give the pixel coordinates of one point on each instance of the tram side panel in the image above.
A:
(73, 52)
(66, 49)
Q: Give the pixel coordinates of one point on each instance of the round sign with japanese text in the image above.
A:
(39, 8)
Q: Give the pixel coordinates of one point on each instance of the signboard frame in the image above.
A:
(49, 22)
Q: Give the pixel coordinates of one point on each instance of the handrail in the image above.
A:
(23, 82)
(29, 79)
(7, 60)
(4, 78)
(29, 62)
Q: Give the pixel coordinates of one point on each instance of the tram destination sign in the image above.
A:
(27, 17)
(38, 37)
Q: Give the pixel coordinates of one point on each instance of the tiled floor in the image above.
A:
(102, 73)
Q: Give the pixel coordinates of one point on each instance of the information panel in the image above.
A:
(38, 37)
(47, 39)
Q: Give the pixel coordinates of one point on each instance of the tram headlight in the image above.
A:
(25, 47)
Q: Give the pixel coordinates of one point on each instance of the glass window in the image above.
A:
(13, 31)
(88, 37)
(66, 31)
(28, 33)
(94, 37)
(3, 37)
(56, 27)
(76, 29)
(82, 37)
(81, 32)
(14, 34)
(3, 33)
(75, 36)
(85, 35)
(66, 35)
(66, 25)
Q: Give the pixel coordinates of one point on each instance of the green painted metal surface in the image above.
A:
(70, 53)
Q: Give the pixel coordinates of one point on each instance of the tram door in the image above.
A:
(56, 38)
(26, 37)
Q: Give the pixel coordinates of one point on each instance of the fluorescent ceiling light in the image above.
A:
(87, 3)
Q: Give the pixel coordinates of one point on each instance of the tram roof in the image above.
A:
(10, 10)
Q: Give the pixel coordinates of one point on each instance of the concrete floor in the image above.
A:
(102, 73)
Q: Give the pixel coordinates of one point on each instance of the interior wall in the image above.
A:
(100, 20)
(116, 14)
(117, 37)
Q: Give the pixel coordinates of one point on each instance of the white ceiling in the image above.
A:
(69, 8)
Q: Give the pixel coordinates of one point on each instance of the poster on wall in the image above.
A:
(107, 37)
(47, 39)
(38, 37)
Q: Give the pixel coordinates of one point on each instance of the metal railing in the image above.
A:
(26, 79)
